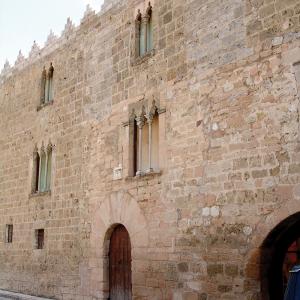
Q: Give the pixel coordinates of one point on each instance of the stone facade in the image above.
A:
(226, 76)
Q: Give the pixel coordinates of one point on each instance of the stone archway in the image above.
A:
(119, 208)
(273, 251)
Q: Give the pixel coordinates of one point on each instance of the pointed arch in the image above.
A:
(43, 85)
(42, 173)
(50, 83)
(36, 171)
(117, 208)
(49, 167)
(149, 28)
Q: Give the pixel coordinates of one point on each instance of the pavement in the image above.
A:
(7, 295)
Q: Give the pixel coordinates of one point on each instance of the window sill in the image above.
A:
(41, 106)
(145, 175)
(40, 194)
(143, 58)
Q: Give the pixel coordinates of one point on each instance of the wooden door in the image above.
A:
(120, 265)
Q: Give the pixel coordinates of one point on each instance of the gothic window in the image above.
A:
(36, 170)
(42, 179)
(9, 233)
(43, 85)
(42, 169)
(48, 167)
(135, 146)
(144, 32)
(149, 30)
(144, 145)
(39, 238)
(47, 85)
(50, 83)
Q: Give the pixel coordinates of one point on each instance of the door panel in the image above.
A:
(120, 265)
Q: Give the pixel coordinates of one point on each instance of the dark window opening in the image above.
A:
(9, 233)
(39, 238)
(37, 172)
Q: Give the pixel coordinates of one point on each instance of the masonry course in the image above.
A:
(226, 74)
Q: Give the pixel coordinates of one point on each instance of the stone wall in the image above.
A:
(225, 74)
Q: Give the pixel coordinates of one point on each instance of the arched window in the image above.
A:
(144, 32)
(43, 85)
(47, 85)
(50, 83)
(144, 142)
(149, 28)
(140, 35)
(154, 159)
(49, 167)
(135, 147)
(36, 171)
(42, 169)
(42, 180)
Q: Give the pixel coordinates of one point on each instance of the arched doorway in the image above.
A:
(120, 265)
(277, 253)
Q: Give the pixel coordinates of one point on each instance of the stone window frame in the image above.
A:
(36, 182)
(139, 117)
(145, 20)
(47, 87)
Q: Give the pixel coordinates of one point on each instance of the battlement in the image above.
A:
(53, 41)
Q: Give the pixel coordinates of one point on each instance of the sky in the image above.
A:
(23, 21)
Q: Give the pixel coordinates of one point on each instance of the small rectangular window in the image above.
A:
(39, 236)
(9, 233)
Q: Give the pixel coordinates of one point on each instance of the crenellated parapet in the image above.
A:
(52, 38)
(53, 41)
(108, 4)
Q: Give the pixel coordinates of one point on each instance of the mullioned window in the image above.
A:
(47, 85)
(144, 32)
(42, 169)
(144, 141)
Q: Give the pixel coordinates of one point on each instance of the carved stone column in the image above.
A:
(140, 123)
(42, 152)
(149, 121)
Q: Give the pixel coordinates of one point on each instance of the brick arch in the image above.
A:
(119, 209)
(265, 259)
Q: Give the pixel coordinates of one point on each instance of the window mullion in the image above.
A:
(149, 121)
(140, 124)
(40, 173)
(46, 173)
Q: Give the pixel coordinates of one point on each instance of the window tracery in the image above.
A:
(42, 169)
(144, 32)
(47, 85)
(144, 144)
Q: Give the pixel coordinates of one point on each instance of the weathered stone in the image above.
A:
(214, 269)
(223, 80)
(231, 270)
(259, 173)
